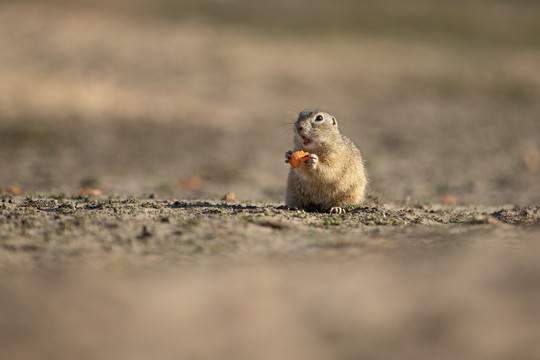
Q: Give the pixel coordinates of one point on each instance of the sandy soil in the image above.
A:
(53, 233)
(138, 278)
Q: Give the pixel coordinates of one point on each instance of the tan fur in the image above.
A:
(337, 179)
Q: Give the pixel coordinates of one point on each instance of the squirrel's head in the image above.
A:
(315, 129)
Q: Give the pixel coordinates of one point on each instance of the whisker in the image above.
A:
(287, 126)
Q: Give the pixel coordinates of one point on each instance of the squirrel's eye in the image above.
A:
(319, 118)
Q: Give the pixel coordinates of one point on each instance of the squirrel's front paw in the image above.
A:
(288, 156)
(312, 159)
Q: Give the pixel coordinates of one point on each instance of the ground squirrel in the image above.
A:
(334, 175)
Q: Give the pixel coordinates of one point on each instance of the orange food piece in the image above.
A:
(297, 159)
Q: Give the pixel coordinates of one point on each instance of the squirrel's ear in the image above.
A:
(334, 121)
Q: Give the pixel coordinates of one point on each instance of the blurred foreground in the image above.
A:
(467, 307)
(145, 278)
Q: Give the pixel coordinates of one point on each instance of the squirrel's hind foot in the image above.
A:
(337, 210)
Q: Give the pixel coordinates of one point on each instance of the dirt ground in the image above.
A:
(136, 278)
(165, 107)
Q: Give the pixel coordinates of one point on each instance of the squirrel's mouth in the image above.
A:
(305, 140)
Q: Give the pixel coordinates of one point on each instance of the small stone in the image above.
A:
(229, 196)
(191, 183)
(448, 199)
(89, 191)
(482, 219)
(531, 159)
(145, 234)
(13, 190)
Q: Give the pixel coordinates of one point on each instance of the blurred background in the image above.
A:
(192, 99)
